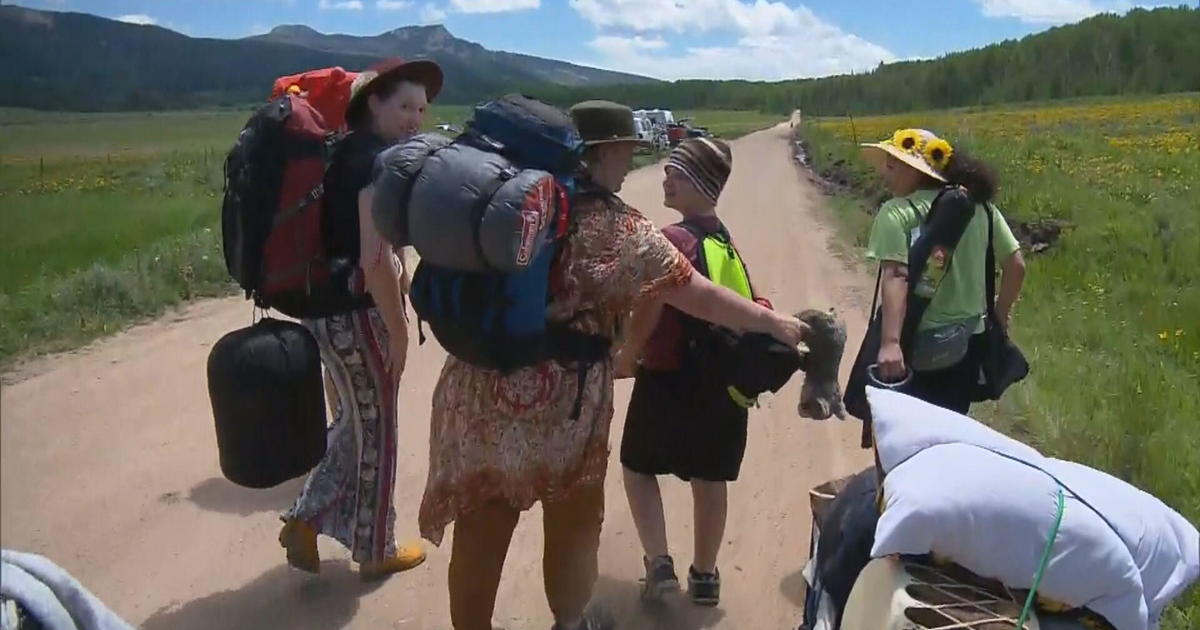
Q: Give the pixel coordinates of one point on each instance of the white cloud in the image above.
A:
(1039, 11)
(392, 5)
(493, 6)
(615, 46)
(768, 58)
(347, 5)
(432, 14)
(768, 40)
(1054, 11)
(760, 17)
(137, 18)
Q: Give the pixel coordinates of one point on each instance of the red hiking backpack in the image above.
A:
(271, 215)
(327, 89)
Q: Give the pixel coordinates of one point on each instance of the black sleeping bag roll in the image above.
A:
(268, 400)
(847, 535)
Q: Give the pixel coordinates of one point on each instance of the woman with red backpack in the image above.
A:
(348, 496)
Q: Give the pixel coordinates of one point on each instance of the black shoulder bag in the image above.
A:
(1003, 365)
(744, 364)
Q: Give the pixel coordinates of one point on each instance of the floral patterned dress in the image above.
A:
(511, 437)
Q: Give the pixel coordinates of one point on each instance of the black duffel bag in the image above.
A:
(268, 400)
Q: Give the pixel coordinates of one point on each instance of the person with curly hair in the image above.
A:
(916, 165)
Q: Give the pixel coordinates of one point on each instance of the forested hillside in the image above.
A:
(1143, 52)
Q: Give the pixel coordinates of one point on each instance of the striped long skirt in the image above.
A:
(348, 496)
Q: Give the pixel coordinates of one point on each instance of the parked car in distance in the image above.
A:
(660, 117)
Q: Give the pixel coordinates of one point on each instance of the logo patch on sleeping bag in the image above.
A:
(535, 214)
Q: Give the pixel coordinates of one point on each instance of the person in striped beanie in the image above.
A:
(705, 163)
(678, 422)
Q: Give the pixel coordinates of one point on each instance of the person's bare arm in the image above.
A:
(702, 299)
(1013, 276)
(641, 325)
(405, 277)
(894, 294)
(382, 276)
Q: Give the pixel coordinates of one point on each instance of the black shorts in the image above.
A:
(676, 427)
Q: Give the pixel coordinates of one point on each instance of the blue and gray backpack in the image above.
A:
(488, 213)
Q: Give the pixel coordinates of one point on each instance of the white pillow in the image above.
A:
(958, 488)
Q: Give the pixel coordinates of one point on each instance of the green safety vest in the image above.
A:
(722, 264)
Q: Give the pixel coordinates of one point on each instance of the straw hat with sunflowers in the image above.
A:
(918, 148)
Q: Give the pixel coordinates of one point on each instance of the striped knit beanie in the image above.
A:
(704, 161)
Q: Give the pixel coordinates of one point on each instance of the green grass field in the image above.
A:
(1109, 315)
(111, 217)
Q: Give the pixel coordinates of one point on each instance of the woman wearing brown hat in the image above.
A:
(678, 423)
(915, 165)
(349, 495)
(501, 442)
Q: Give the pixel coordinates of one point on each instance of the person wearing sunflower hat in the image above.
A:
(945, 344)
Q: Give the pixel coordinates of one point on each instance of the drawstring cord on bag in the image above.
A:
(1041, 572)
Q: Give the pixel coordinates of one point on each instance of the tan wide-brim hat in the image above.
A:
(423, 71)
(918, 148)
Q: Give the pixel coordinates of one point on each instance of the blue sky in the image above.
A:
(753, 39)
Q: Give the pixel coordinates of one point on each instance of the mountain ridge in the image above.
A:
(83, 62)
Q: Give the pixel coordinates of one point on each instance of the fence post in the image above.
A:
(41, 167)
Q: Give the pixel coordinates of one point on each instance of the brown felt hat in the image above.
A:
(368, 82)
(604, 122)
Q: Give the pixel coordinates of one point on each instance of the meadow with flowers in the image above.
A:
(110, 218)
(1110, 314)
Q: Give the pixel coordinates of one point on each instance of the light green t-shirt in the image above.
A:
(961, 294)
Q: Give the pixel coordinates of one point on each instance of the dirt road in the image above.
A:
(108, 466)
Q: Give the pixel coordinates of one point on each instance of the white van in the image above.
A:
(660, 117)
(643, 128)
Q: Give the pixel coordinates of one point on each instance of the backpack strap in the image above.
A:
(916, 305)
(990, 270)
(699, 234)
(562, 342)
(567, 345)
(562, 225)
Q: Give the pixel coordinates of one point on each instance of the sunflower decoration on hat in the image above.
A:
(919, 148)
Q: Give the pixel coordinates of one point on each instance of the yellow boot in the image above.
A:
(406, 557)
(300, 541)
